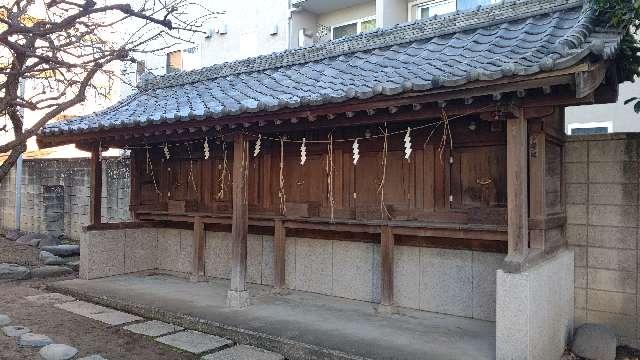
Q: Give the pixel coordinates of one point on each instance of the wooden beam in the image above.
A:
(386, 266)
(197, 273)
(240, 214)
(279, 253)
(517, 201)
(96, 186)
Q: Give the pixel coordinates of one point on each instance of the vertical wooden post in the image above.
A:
(197, 273)
(386, 266)
(279, 253)
(517, 194)
(537, 194)
(96, 186)
(238, 296)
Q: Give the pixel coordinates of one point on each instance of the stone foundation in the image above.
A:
(455, 282)
(535, 310)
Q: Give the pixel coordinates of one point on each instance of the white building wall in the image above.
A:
(348, 15)
(620, 116)
(247, 28)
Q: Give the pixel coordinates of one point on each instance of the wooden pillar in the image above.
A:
(386, 266)
(197, 273)
(279, 253)
(96, 186)
(238, 296)
(517, 194)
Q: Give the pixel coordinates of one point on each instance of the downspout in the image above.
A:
(18, 191)
(19, 166)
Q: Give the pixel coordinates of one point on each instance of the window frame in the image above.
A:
(358, 23)
(587, 125)
(414, 7)
(168, 62)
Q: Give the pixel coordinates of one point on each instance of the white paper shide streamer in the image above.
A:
(303, 151)
(356, 152)
(166, 151)
(407, 144)
(206, 148)
(256, 149)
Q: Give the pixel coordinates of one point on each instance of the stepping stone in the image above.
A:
(594, 341)
(14, 272)
(34, 340)
(194, 341)
(93, 357)
(63, 250)
(153, 328)
(15, 331)
(4, 320)
(75, 265)
(100, 313)
(26, 239)
(244, 352)
(47, 240)
(49, 299)
(58, 352)
(49, 259)
(13, 235)
(50, 271)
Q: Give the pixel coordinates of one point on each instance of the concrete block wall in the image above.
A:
(72, 176)
(603, 209)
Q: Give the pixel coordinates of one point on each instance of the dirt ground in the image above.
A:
(88, 336)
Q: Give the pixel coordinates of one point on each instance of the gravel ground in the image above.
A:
(87, 335)
(13, 253)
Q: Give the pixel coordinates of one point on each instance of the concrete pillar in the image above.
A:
(391, 12)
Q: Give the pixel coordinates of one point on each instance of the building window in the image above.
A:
(424, 9)
(174, 61)
(356, 27)
(597, 127)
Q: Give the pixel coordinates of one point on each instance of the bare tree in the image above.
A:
(61, 47)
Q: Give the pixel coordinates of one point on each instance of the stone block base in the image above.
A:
(237, 299)
(534, 312)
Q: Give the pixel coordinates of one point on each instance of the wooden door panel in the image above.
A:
(478, 177)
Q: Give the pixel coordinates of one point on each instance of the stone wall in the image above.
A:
(602, 227)
(55, 195)
(535, 309)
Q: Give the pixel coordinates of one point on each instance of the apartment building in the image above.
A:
(254, 27)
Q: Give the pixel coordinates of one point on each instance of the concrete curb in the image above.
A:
(290, 349)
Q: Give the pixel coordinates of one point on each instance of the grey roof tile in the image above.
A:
(510, 38)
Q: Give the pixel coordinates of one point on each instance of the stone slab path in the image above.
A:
(100, 313)
(153, 328)
(243, 352)
(195, 342)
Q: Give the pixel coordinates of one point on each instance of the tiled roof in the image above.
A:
(519, 37)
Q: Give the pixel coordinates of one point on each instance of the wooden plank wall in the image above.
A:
(471, 168)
